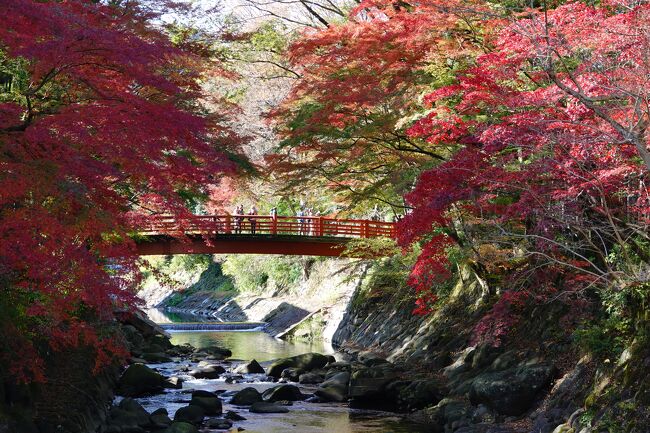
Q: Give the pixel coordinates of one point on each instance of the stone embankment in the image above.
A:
(458, 385)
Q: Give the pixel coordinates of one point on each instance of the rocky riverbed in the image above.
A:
(181, 389)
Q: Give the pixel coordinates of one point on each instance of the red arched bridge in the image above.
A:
(256, 234)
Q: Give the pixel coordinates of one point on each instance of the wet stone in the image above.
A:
(234, 416)
(192, 414)
(283, 392)
(264, 407)
(180, 427)
(246, 397)
(218, 424)
(252, 367)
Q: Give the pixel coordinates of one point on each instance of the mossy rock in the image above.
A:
(191, 414)
(252, 367)
(139, 380)
(306, 362)
(211, 404)
(216, 350)
(283, 393)
(264, 407)
(512, 391)
(246, 397)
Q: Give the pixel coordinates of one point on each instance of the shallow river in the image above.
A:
(249, 345)
(302, 418)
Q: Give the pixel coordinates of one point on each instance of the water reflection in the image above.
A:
(249, 344)
(336, 419)
(162, 316)
(303, 417)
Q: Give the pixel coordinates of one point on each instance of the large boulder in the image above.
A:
(130, 405)
(340, 378)
(191, 414)
(265, 407)
(159, 419)
(331, 393)
(211, 403)
(139, 380)
(306, 362)
(234, 416)
(252, 367)
(310, 378)
(283, 392)
(370, 359)
(292, 374)
(218, 424)
(338, 365)
(246, 397)
(417, 394)
(220, 352)
(512, 391)
(441, 417)
(335, 388)
(133, 337)
(369, 383)
(180, 427)
(209, 372)
(161, 340)
(129, 416)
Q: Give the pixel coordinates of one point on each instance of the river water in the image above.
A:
(303, 417)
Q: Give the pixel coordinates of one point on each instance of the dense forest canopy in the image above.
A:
(102, 120)
(526, 127)
(512, 136)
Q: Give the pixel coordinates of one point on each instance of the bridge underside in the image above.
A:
(242, 244)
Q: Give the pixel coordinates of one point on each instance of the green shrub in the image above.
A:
(603, 338)
(253, 273)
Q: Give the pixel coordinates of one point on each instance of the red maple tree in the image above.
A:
(99, 123)
(550, 131)
(343, 125)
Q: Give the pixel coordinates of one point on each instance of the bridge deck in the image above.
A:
(256, 234)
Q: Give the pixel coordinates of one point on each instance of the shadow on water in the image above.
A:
(162, 317)
(249, 344)
(319, 418)
(303, 417)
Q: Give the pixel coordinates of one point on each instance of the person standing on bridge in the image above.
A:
(301, 221)
(375, 215)
(253, 221)
(239, 210)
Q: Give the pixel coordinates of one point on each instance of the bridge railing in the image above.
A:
(267, 225)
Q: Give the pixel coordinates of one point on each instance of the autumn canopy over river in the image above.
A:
(350, 216)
